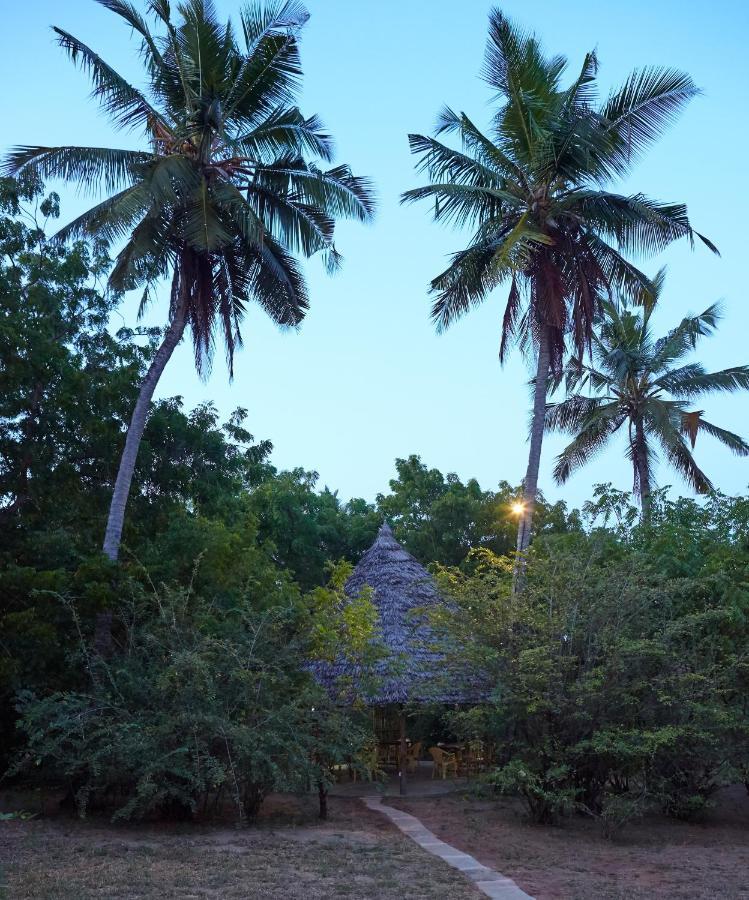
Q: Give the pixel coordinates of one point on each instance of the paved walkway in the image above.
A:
(491, 883)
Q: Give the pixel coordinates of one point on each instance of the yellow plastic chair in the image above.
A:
(444, 762)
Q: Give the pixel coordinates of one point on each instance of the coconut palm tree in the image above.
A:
(534, 192)
(225, 192)
(643, 383)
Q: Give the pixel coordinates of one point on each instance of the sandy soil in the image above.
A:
(652, 858)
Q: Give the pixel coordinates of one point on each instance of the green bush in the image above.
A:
(545, 790)
(619, 675)
(203, 704)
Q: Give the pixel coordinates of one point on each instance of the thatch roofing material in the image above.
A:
(415, 668)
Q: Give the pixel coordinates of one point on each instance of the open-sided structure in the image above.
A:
(417, 665)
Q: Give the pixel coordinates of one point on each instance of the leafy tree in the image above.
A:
(535, 193)
(618, 674)
(644, 383)
(207, 702)
(68, 387)
(304, 529)
(223, 196)
(440, 519)
(55, 349)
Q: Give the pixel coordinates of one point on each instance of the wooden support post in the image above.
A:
(402, 751)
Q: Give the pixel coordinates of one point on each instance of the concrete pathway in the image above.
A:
(491, 883)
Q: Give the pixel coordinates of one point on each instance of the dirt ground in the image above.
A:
(356, 854)
(652, 858)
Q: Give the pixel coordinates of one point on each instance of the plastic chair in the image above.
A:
(444, 762)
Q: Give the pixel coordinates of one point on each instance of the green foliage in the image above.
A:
(56, 348)
(546, 793)
(440, 519)
(645, 384)
(303, 529)
(203, 702)
(535, 191)
(226, 187)
(618, 673)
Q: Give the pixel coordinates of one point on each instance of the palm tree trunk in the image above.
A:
(642, 468)
(116, 519)
(530, 485)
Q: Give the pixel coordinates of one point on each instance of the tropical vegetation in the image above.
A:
(619, 673)
(224, 194)
(171, 675)
(535, 192)
(645, 383)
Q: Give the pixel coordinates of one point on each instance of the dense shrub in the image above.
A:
(201, 703)
(619, 673)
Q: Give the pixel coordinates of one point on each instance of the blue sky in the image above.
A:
(366, 379)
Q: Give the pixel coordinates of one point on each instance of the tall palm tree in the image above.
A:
(643, 383)
(534, 192)
(224, 193)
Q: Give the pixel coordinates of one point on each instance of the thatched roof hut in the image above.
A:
(415, 667)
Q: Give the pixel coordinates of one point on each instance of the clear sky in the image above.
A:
(366, 379)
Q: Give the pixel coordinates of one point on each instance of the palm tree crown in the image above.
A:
(534, 192)
(645, 384)
(225, 193)
(223, 196)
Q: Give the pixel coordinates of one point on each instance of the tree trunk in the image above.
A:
(530, 485)
(116, 519)
(642, 468)
(322, 796)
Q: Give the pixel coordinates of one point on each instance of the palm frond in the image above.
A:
(285, 132)
(571, 414)
(514, 65)
(442, 162)
(637, 223)
(693, 381)
(123, 103)
(466, 204)
(683, 339)
(638, 113)
(474, 272)
(621, 275)
(130, 15)
(277, 283)
(271, 73)
(93, 168)
(583, 90)
(338, 191)
(112, 219)
(734, 442)
(202, 227)
(146, 256)
(592, 437)
(664, 421)
(480, 147)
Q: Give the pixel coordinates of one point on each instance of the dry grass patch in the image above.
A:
(656, 857)
(354, 855)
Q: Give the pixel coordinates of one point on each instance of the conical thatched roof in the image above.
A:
(414, 667)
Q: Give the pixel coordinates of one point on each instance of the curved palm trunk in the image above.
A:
(642, 468)
(116, 519)
(530, 485)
